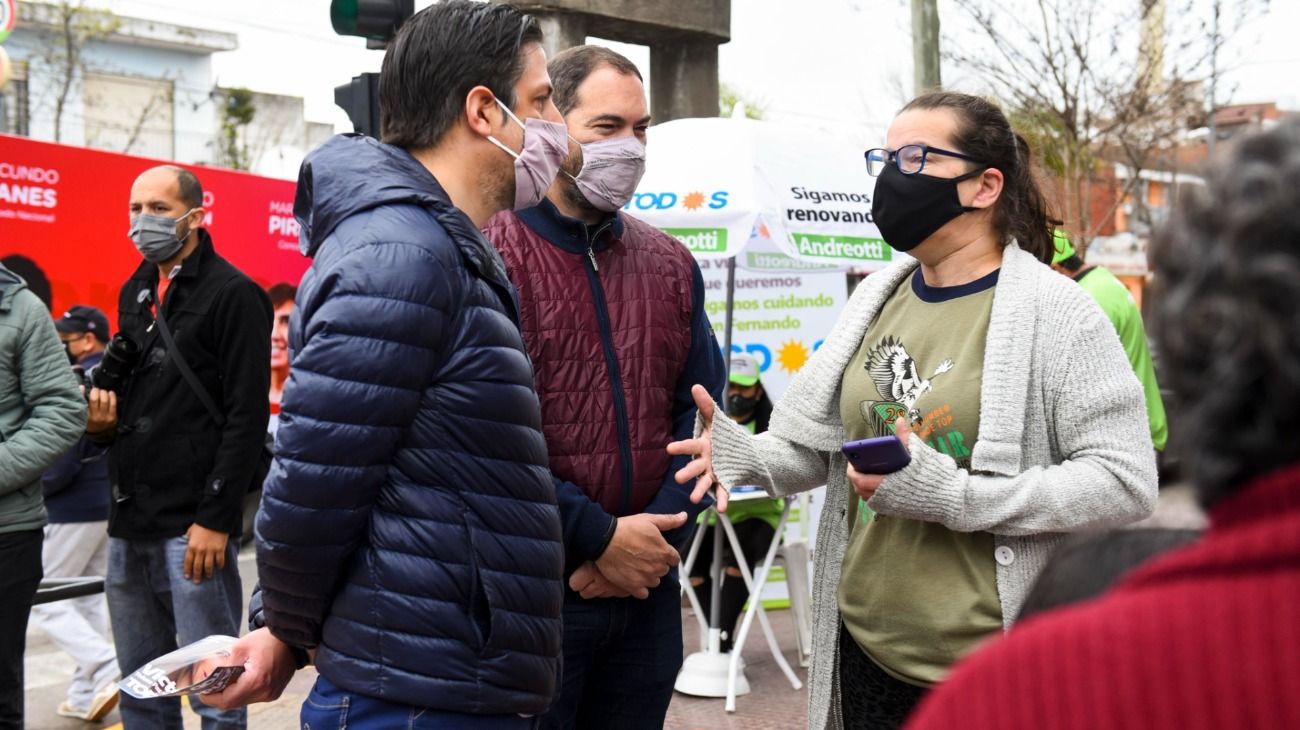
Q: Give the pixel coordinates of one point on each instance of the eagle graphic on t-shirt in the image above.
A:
(896, 376)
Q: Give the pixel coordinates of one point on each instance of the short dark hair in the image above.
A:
(572, 66)
(1087, 565)
(983, 132)
(441, 53)
(1226, 317)
(191, 190)
(281, 293)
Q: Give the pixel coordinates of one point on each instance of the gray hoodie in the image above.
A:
(41, 411)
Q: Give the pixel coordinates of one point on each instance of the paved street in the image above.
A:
(771, 704)
(48, 671)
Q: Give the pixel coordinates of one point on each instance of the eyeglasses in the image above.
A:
(910, 158)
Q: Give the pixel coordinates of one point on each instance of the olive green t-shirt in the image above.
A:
(915, 595)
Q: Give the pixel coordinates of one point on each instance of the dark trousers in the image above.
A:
(871, 699)
(20, 576)
(621, 657)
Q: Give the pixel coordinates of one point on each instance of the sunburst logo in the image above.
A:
(792, 356)
(693, 201)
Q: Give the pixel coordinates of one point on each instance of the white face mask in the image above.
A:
(611, 170)
(546, 147)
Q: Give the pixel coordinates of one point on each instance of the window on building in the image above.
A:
(14, 105)
(130, 115)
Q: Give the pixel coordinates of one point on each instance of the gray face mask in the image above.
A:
(155, 236)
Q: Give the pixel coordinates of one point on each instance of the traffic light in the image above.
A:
(374, 20)
(360, 99)
(377, 21)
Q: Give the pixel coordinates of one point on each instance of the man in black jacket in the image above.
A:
(179, 466)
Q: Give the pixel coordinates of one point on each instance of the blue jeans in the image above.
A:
(154, 609)
(330, 707)
(621, 658)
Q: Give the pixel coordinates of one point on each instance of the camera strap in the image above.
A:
(190, 378)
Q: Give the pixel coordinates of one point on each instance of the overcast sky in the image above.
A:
(842, 64)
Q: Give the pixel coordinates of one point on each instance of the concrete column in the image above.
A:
(683, 79)
(560, 30)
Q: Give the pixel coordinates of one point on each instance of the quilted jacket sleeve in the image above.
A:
(366, 340)
(45, 387)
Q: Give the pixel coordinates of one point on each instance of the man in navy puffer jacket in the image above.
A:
(409, 535)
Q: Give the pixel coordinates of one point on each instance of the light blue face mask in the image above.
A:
(155, 236)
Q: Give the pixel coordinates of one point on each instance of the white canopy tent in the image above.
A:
(717, 184)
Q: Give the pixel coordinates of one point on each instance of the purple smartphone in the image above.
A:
(881, 455)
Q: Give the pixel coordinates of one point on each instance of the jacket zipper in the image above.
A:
(615, 376)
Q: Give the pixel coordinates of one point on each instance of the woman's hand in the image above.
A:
(865, 485)
(701, 452)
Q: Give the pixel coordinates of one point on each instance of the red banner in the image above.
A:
(64, 211)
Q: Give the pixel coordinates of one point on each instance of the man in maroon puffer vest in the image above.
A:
(612, 312)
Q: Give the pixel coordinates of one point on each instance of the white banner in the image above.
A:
(783, 309)
(711, 182)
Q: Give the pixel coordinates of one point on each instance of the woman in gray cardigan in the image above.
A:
(1008, 387)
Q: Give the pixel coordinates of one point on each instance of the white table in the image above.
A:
(710, 654)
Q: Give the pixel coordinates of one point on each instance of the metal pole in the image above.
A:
(715, 590)
(726, 329)
(1214, 80)
(925, 46)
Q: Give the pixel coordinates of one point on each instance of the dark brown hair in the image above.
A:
(281, 293)
(441, 53)
(572, 66)
(190, 190)
(984, 133)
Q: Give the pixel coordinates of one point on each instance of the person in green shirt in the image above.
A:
(755, 520)
(1122, 311)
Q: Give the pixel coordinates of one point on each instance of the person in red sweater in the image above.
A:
(1206, 636)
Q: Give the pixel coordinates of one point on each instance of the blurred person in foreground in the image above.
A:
(1205, 636)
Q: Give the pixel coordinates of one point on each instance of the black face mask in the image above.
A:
(909, 208)
(739, 405)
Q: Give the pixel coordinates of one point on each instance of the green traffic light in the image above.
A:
(377, 20)
(343, 16)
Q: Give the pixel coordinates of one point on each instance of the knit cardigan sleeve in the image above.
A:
(779, 466)
(1106, 475)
